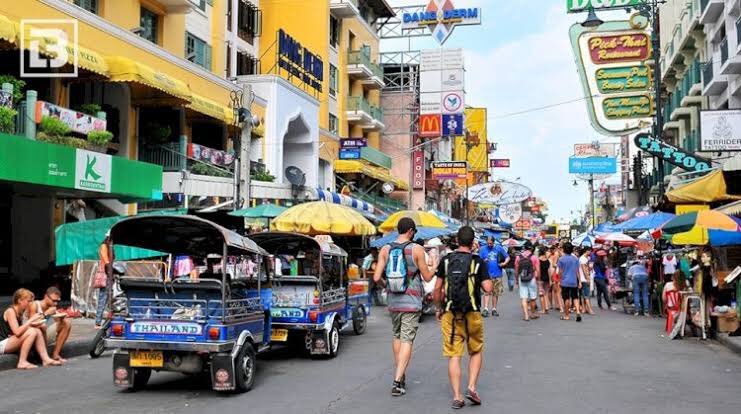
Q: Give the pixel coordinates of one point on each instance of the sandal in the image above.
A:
(563, 318)
(457, 404)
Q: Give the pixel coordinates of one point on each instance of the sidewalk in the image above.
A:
(731, 342)
(83, 331)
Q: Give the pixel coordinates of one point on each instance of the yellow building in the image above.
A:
(153, 73)
(325, 55)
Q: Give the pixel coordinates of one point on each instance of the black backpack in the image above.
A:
(460, 282)
(525, 271)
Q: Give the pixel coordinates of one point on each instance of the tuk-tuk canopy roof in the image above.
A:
(272, 241)
(187, 235)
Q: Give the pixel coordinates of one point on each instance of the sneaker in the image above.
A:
(494, 312)
(397, 390)
(457, 404)
(485, 313)
(473, 396)
(637, 314)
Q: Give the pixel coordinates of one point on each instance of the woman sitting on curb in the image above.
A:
(20, 337)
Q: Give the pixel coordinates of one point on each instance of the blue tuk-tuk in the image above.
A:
(313, 298)
(187, 318)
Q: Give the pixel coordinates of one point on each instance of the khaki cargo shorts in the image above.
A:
(468, 334)
(404, 325)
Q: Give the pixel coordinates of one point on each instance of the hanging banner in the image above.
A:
(615, 79)
(499, 193)
(671, 154)
(210, 155)
(418, 182)
(6, 99)
(499, 163)
(76, 121)
(721, 130)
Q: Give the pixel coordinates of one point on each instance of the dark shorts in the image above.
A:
(569, 293)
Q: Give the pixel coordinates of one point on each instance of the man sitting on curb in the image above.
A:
(56, 331)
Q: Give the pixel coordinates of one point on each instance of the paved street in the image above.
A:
(617, 363)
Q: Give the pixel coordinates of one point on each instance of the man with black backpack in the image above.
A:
(527, 274)
(461, 277)
(404, 265)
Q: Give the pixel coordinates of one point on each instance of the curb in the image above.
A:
(732, 344)
(71, 349)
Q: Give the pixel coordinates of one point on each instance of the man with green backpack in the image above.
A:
(460, 278)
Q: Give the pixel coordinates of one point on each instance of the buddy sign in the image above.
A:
(611, 62)
(672, 154)
(441, 17)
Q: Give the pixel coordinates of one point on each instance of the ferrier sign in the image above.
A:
(576, 6)
(672, 154)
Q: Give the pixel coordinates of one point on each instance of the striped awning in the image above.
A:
(344, 200)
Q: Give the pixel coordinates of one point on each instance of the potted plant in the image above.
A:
(154, 133)
(55, 131)
(98, 140)
(7, 120)
(89, 109)
(265, 176)
(18, 86)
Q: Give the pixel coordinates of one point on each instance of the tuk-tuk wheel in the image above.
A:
(334, 340)
(245, 367)
(359, 320)
(141, 378)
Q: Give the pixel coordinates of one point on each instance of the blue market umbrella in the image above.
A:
(651, 221)
(423, 233)
(584, 239)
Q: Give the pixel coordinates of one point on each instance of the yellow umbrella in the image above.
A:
(321, 217)
(421, 219)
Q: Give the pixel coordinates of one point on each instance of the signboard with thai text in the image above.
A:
(671, 154)
(449, 170)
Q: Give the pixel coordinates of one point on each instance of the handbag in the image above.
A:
(100, 280)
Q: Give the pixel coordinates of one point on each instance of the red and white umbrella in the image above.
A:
(620, 238)
(511, 243)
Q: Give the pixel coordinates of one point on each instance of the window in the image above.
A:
(202, 4)
(148, 22)
(332, 80)
(334, 31)
(247, 64)
(249, 21)
(334, 124)
(197, 51)
(89, 5)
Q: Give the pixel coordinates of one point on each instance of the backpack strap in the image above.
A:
(472, 283)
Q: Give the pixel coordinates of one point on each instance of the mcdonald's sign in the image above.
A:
(430, 125)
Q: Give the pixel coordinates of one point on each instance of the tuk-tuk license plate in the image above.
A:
(279, 335)
(146, 359)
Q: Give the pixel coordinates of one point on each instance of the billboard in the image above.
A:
(499, 193)
(578, 6)
(595, 149)
(499, 163)
(592, 165)
(478, 155)
(671, 154)
(720, 130)
(440, 17)
(615, 79)
(449, 170)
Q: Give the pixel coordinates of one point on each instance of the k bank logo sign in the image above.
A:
(92, 171)
(52, 48)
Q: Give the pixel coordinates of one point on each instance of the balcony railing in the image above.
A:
(377, 113)
(362, 57)
(358, 103)
(707, 74)
(168, 155)
(724, 51)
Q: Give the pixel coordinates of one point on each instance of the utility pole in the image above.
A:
(659, 124)
(242, 147)
(591, 201)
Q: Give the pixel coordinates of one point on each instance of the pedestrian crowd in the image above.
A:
(468, 282)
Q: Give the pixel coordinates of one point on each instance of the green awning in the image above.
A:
(93, 174)
(80, 240)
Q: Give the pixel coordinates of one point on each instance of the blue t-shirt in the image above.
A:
(599, 272)
(638, 269)
(569, 266)
(489, 255)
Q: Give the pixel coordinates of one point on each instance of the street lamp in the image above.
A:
(592, 20)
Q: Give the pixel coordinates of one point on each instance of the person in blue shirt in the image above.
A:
(640, 287)
(568, 266)
(496, 258)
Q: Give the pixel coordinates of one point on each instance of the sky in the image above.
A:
(520, 58)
